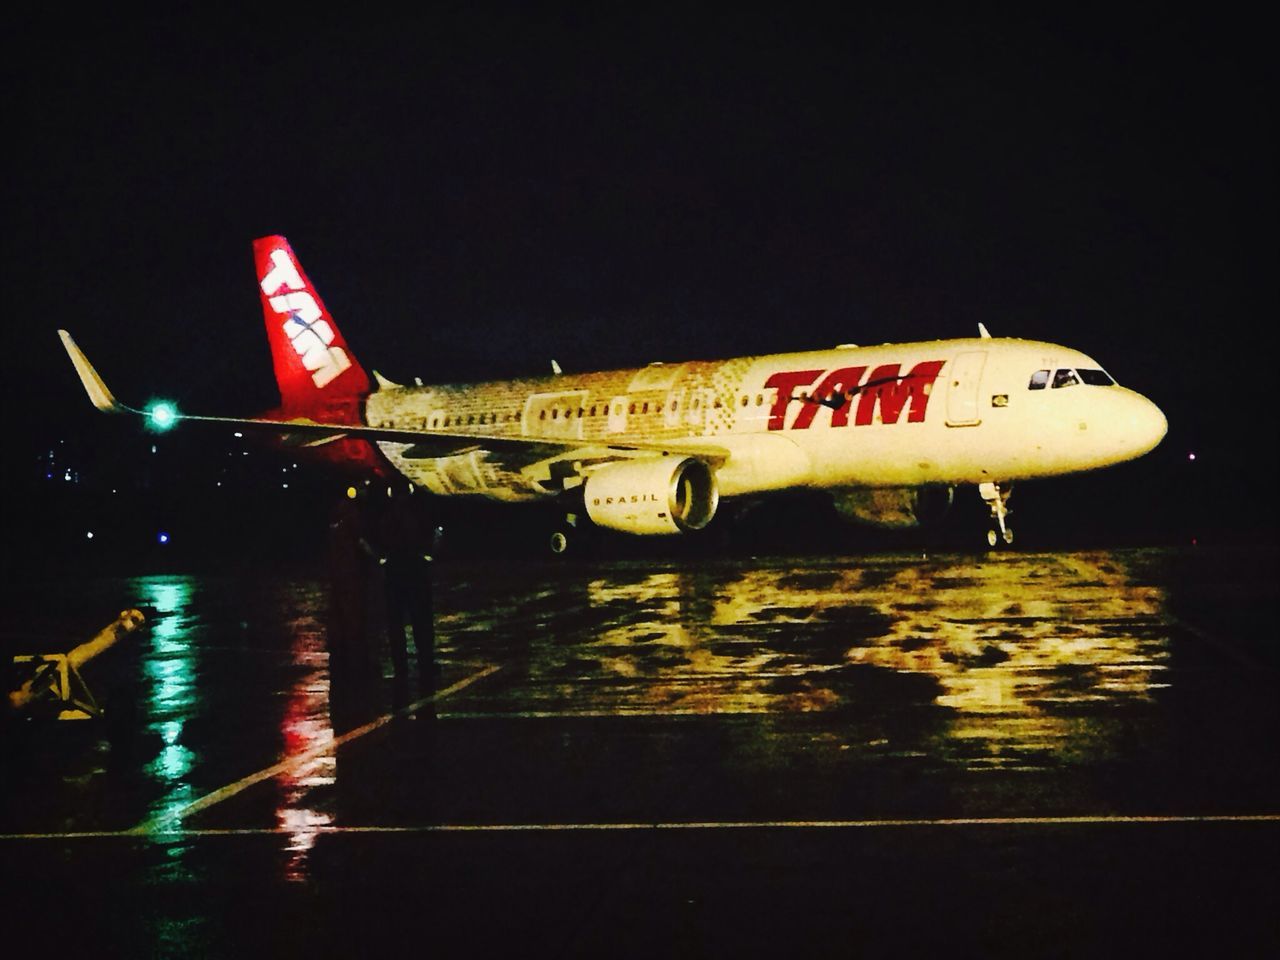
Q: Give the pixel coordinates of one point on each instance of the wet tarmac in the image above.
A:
(1016, 754)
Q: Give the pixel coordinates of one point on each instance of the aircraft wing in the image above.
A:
(428, 443)
(304, 432)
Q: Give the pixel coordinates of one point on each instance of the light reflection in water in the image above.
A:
(1009, 656)
(170, 672)
(306, 724)
(675, 614)
(171, 669)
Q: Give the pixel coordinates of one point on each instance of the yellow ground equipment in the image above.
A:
(54, 678)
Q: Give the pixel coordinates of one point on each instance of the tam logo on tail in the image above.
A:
(310, 334)
(314, 366)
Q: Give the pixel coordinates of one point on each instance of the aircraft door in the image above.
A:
(698, 411)
(962, 389)
(618, 415)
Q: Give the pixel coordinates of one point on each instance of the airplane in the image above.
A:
(889, 431)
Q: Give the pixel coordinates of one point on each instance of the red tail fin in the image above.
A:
(314, 367)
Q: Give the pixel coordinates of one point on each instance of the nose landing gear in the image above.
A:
(997, 498)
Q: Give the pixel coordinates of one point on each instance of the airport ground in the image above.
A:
(1036, 753)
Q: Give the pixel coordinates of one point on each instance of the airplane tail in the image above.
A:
(314, 367)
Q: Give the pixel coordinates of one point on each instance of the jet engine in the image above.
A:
(658, 496)
(895, 507)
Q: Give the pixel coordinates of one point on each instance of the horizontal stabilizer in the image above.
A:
(99, 395)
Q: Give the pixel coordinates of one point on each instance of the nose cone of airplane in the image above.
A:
(1141, 424)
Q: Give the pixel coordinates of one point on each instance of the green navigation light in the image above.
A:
(161, 415)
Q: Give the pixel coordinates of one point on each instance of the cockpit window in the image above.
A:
(1038, 380)
(1064, 378)
(1096, 378)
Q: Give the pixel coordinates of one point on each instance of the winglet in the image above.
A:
(982, 331)
(99, 395)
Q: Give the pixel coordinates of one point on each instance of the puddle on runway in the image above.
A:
(1014, 656)
(997, 663)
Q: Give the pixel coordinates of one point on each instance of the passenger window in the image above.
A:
(593, 410)
(759, 399)
(1038, 380)
(645, 409)
(1065, 378)
(744, 401)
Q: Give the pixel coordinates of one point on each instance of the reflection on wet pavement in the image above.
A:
(951, 693)
(171, 675)
(306, 725)
(851, 669)
(1014, 652)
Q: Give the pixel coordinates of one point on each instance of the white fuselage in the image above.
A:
(939, 412)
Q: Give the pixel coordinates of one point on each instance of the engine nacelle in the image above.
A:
(895, 507)
(657, 496)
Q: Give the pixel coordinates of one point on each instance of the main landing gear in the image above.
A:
(997, 498)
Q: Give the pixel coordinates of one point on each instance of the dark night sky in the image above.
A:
(475, 193)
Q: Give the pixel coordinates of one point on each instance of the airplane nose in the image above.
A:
(1145, 425)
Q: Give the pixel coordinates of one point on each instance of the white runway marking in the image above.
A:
(178, 833)
(164, 822)
(628, 712)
